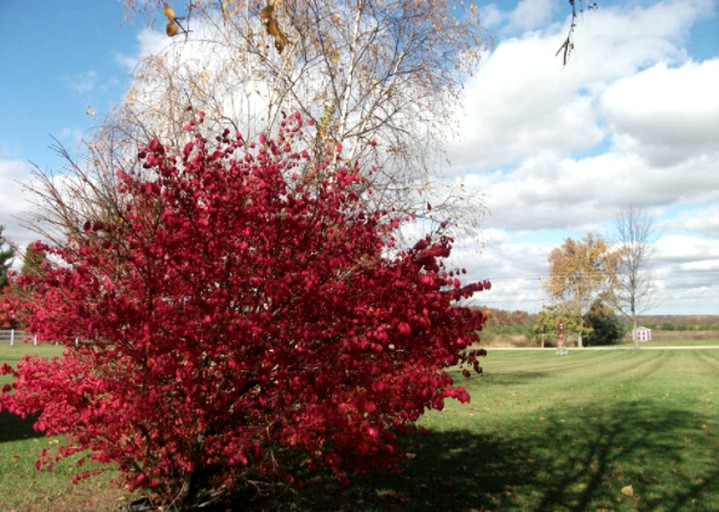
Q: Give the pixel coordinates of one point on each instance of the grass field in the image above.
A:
(542, 432)
(22, 487)
(676, 343)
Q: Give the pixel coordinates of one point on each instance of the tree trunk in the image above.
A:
(635, 339)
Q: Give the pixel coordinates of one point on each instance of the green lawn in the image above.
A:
(568, 433)
(22, 487)
(676, 343)
(542, 433)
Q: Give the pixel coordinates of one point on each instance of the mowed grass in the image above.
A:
(675, 343)
(552, 433)
(542, 432)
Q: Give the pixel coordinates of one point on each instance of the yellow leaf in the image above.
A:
(172, 29)
(167, 10)
(627, 490)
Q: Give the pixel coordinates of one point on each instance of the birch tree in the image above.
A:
(381, 79)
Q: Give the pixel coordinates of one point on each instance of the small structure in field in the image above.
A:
(643, 334)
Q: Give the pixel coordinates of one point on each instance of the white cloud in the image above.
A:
(667, 114)
(531, 14)
(550, 191)
(688, 250)
(686, 273)
(127, 62)
(513, 266)
(82, 83)
(152, 42)
(15, 202)
(519, 104)
(703, 221)
(491, 16)
(522, 101)
(630, 120)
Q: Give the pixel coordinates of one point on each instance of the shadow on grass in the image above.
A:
(14, 428)
(569, 462)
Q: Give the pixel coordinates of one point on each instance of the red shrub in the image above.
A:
(242, 319)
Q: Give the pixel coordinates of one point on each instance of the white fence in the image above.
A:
(13, 336)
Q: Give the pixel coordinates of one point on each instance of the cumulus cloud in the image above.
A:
(688, 251)
(15, 202)
(557, 150)
(631, 120)
(701, 221)
(531, 14)
(522, 101)
(686, 273)
(666, 114)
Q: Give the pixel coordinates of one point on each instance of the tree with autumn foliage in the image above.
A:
(581, 271)
(242, 323)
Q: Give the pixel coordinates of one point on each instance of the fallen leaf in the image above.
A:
(627, 490)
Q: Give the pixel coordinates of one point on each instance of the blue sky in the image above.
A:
(554, 151)
(58, 59)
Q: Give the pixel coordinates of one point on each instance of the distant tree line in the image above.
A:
(681, 322)
(605, 327)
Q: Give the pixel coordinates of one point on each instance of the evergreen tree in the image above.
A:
(32, 261)
(7, 253)
(606, 327)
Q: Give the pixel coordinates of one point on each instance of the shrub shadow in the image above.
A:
(570, 462)
(15, 428)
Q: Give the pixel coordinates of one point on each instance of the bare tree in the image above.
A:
(635, 234)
